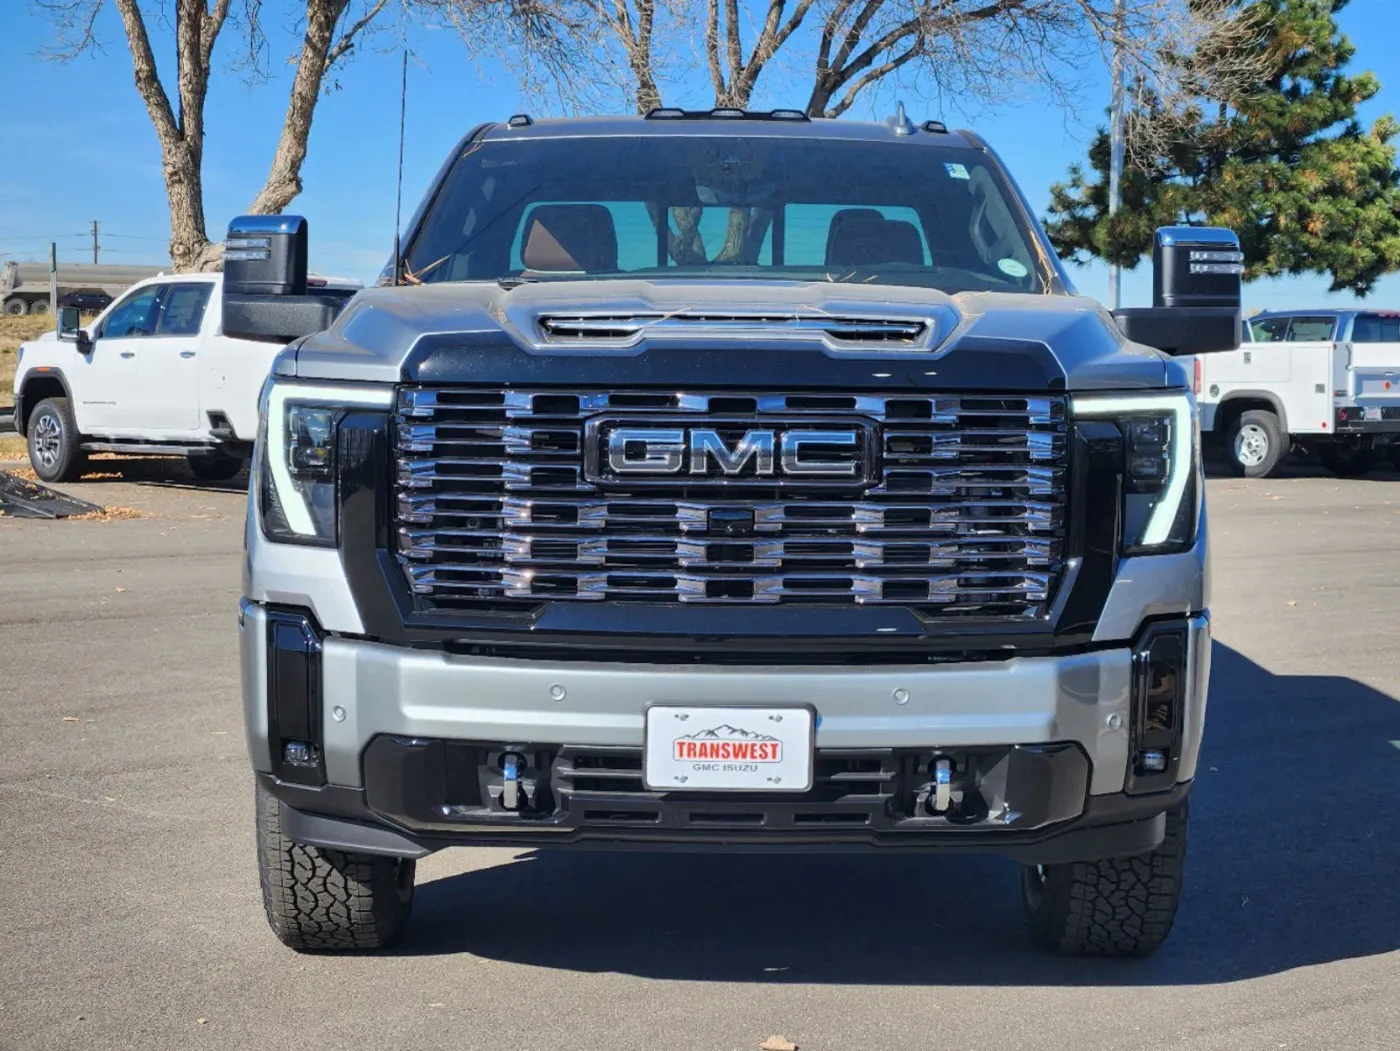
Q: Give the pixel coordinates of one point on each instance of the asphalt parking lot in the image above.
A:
(130, 915)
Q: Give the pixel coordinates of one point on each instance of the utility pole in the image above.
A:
(95, 246)
(1115, 167)
(53, 282)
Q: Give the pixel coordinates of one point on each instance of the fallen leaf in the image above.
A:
(202, 1021)
(1291, 602)
(70, 718)
(777, 1043)
(120, 590)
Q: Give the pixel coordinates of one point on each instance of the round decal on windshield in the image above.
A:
(1012, 268)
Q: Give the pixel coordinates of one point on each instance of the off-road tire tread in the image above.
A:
(1117, 906)
(73, 469)
(320, 900)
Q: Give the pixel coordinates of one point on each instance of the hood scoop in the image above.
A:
(838, 332)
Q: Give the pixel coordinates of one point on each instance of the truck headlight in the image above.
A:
(296, 479)
(1161, 466)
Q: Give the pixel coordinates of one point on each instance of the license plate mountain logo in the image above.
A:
(728, 743)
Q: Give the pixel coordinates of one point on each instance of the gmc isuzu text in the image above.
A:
(726, 480)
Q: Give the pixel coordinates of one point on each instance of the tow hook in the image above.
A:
(510, 789)
(942, 786)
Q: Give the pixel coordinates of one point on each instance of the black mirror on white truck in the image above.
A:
(1196, 273)
(70, 329)
(265, 262)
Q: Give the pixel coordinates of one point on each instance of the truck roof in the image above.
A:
(1332, 312)
(734, 123)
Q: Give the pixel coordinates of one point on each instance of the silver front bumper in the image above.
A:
(371, 689)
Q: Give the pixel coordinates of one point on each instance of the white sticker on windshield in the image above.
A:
(1013, 268)
(956, 171)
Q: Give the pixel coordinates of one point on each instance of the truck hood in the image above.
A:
(733, 333)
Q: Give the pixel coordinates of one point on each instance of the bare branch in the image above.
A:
(871, 76)
(712, 49)
(347, 38)
(148, 83)
(284, 178)
(75, 22)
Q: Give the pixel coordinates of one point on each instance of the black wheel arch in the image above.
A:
(1238, 402)
(51, 383)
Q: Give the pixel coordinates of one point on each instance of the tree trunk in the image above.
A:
(284, 179)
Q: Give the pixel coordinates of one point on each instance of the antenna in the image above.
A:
(398, 188)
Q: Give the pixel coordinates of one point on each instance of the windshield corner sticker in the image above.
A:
(1013, 268)
(956, 171)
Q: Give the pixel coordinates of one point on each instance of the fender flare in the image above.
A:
(22, 406)
(1257, 395)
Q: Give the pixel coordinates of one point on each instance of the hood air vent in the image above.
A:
(839, 332)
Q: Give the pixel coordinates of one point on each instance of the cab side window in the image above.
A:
(1376, 328)
(1269, 330)
(134, 316)
(1309, 329)
(182, 311)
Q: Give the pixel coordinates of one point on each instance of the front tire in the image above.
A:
(1256, 445)
(55, 447)
(1114, 907)
(15, 307)
(217, 468)
(328, 900)
(1347, 461)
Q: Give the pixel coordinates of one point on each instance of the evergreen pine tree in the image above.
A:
(1288, 167)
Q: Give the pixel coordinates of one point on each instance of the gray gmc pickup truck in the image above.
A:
(732, 481)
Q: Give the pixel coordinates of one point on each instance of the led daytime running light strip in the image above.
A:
(1183, 435)
(275, 420)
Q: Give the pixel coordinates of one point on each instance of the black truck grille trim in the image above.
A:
(964, 514)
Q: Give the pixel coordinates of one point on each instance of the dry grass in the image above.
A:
(12, 447)
(13, 332)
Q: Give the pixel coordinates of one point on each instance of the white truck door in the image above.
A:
(1373, 365)
(106, 384)
(169, 365)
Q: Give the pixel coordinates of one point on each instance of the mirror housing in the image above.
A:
(1196, 272)
(265, 261)
(70, 328)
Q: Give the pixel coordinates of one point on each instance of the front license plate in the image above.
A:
(728, 749)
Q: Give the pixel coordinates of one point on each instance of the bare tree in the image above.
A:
(330, 29)
(964, 52)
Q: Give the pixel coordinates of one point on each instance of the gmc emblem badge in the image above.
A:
(760, 451)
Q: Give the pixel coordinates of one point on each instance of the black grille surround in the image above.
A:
(964, 516)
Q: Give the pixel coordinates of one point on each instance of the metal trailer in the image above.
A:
(25, 287)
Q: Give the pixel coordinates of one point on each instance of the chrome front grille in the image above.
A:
(494, 509)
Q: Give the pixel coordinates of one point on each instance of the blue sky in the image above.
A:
(85, 149)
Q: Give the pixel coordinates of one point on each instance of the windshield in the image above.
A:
(685, 206)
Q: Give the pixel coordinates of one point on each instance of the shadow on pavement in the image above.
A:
(1293, 862)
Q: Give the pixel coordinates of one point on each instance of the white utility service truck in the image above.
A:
(1324, 381)
(152, 375)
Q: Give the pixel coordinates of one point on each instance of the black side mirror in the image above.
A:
(70, 323)
(70, 328)
(1195, 308)
(265, 281)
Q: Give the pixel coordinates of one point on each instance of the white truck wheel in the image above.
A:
(1255, 444)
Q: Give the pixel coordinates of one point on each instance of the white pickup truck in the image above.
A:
(1327, 381)
(152, 375)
